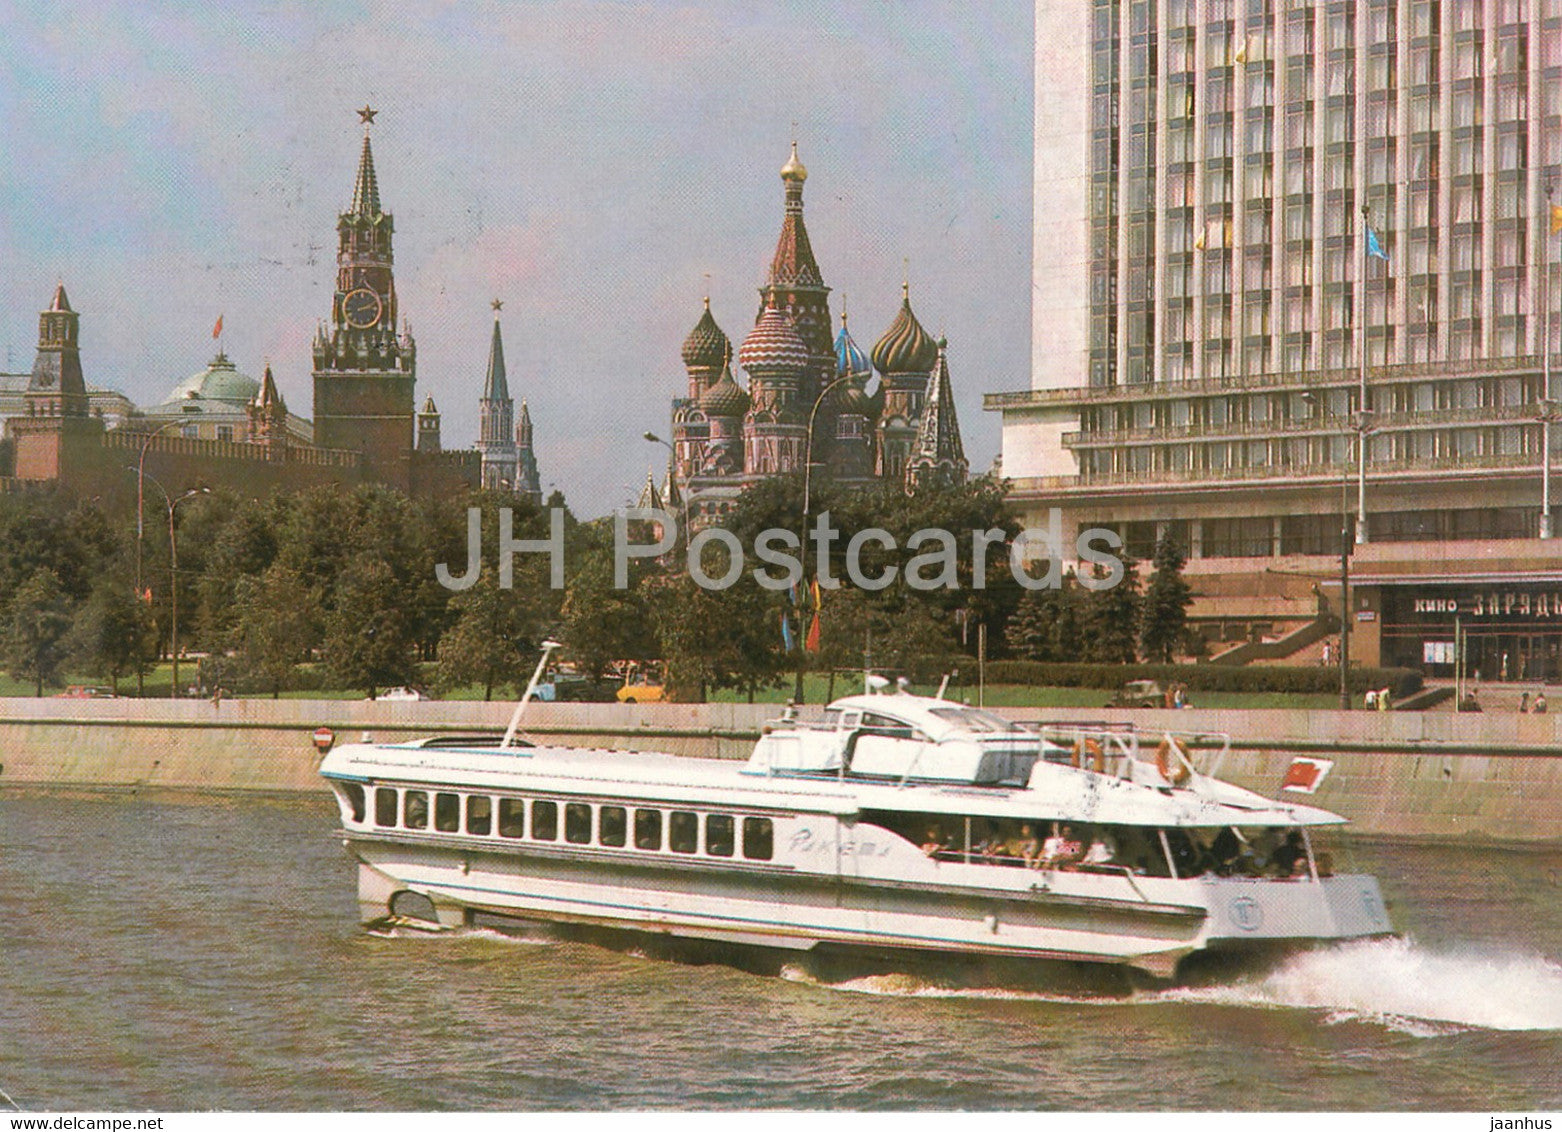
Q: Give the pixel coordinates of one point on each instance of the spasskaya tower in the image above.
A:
(364, 370)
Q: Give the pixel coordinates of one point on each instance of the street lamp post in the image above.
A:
(808, 447)
(141, 492)
(808, 471)
(1345, 549)
(173, 574)
(683, 496)
(1361, 423)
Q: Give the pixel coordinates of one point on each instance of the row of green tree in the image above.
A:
(340, 588)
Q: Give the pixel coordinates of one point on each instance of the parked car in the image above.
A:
(583, 689)
(1139, 693)
(642, 690)
(84, 692)
(402, 694)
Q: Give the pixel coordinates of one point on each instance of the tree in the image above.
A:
(495, 635)
(1164, 614)
(34, 640)
(112, 634)
(1046, 624)
(275, 622)
(603, 623)
(1111, 619)
(369, 633)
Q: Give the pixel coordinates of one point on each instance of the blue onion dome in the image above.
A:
(905, 347)
(706, 347)
(849, 357)
(725, 398)
(774, 345)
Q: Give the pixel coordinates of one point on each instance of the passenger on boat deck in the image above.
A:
(1030, 847)
(995, 844)
(1290, 858)
(1067, 849)
(933, 843)
(1101, 852)
(1224, 851)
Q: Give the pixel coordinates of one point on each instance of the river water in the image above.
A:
(204, 953)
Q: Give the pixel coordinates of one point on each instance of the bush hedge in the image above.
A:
(1203, 677)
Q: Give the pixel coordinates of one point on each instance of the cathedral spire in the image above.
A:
(793, 264)
(937, 456)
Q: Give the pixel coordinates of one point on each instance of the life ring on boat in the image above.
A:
(1177, 773)
(1091, 747)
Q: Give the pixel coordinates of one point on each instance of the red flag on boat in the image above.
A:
(1305, 775)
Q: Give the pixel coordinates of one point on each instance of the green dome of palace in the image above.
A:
(219, 381)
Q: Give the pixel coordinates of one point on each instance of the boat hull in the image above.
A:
(975, 911)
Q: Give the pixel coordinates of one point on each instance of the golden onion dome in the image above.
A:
(794, 169)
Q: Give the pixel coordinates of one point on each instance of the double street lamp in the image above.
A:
(172, 503)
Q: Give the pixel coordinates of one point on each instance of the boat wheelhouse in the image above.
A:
(896, 823)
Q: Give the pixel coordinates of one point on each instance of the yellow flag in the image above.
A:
(1241, 55)
(1556, 219)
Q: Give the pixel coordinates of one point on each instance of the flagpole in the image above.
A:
(1361, 396)
(1547, 405)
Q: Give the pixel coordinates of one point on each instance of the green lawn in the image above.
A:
(816, 687)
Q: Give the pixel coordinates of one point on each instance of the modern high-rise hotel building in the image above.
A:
(1203, 294)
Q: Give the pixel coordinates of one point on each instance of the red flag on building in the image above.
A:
(217, 330)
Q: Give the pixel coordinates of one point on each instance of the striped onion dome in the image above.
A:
(905, 347)
(774, 345)
(706, 346)
(725, 398)
(854, 399)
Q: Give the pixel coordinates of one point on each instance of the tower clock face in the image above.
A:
(361, 308)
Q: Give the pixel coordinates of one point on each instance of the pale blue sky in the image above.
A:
(587, 162)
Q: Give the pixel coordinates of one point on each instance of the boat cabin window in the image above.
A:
(889, 726)
(612, 822)
(545, 821)
(718, 835)
(414, 809)
(447, 813)
(385, 805)
(832, 718)
(648, 829)
(973, 719)
(683, 832)
(355, 800)
(758, 839)
(577, 823)
(1028, 843)
(512, 817)
(479, 814)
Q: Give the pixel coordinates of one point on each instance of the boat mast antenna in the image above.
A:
(542, 663)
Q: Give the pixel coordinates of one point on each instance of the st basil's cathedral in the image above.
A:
(807, 396)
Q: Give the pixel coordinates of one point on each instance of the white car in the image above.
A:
(401, 694)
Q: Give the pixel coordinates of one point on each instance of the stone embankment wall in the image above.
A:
(1435, 775)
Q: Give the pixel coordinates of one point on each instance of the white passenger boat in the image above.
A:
(896, 824)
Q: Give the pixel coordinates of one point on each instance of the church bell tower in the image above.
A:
(364, 370)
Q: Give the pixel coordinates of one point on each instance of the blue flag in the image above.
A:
(786, 634)
(1373, 247)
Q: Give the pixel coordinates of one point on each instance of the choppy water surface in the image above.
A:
(199, 954)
